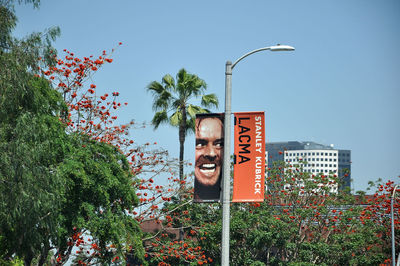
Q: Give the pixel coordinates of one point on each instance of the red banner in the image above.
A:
(249, 157)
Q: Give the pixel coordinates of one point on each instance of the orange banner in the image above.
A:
(249, 157)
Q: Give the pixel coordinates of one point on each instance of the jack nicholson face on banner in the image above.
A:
(209, 150)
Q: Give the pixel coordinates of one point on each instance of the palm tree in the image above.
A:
(171, 104)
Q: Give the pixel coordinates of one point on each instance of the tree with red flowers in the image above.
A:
(303, 220)
(65, 179)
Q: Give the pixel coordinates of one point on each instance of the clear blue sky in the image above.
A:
(341, 86)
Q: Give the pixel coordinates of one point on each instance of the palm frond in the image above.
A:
(199, 86)
(162, 101)
(177, 103)
(190, 125)
(189, 85)
(175, 118)
(173, 96)
(159, 118)
(193, 110)
(169, 81)
(181, 75)
(209, 100)
(155, 88)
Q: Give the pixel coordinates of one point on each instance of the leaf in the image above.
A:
(159, 118)
(175, 118)
(169, 81)
(209, 100)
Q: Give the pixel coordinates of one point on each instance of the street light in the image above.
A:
(227, 146)
(392, 221)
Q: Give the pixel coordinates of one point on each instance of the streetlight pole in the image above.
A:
(392, 220)
(227, 146)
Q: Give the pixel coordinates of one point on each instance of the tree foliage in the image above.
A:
(32, 144)
(302, 221)
(172, 104)
(60, 188)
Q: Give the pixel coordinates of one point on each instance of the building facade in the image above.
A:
(317, 158)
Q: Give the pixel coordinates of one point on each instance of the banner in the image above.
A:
(249, 157)
(209, 156)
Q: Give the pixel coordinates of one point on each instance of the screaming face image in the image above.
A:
(209, 150)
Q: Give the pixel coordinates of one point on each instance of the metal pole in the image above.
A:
(392, 218)
(226, 187)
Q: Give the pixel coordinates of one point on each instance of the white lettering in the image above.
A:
(258, 177)
(259, 139)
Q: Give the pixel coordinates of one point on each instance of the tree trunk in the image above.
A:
(28, 260)
(44, 254)
(182, 134)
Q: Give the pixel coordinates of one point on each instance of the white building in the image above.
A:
(316, 158)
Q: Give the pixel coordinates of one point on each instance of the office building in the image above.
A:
(320, 158)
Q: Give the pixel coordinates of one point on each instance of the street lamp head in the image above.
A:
(280, 47)
(274, 48)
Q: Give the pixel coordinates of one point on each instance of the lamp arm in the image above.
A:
(249, 53)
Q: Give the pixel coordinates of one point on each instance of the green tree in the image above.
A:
(302, 221)
(32, 144)
(172, 104)
(56, 189)
(97, 198)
